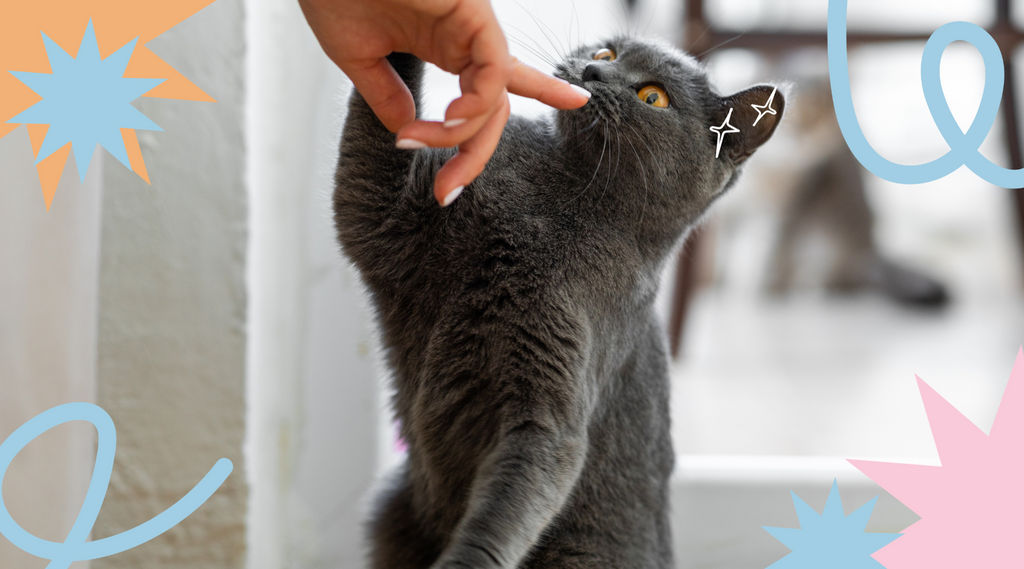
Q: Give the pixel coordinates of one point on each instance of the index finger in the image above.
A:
(552, 91)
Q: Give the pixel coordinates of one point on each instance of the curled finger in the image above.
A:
(471, 159)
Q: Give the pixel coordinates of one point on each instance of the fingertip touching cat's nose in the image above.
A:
(594, 72)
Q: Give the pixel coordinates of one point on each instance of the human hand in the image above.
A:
(458, 36)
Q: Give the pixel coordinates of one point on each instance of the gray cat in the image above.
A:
(530, 368)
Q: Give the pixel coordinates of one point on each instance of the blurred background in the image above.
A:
(214, 309)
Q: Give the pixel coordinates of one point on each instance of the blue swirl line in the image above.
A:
(75, 547)
(963, 146)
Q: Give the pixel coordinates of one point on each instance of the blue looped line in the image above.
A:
(75, 547)
(963, 147)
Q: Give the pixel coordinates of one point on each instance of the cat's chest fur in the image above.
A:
(514, 241)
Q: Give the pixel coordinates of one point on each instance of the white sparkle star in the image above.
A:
(721, 131)
(765, 109)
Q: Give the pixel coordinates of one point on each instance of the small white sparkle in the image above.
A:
(765, 109)
(723, 130)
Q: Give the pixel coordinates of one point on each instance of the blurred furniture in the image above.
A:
(704, 37)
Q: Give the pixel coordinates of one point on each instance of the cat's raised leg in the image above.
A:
(520, 488)
(383, 194)
(542, 409)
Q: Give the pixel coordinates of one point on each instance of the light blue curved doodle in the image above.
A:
(75, 547)
(963, 147)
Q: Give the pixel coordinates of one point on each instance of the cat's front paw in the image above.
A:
(470, 556)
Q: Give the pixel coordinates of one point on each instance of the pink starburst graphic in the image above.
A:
(971, 506)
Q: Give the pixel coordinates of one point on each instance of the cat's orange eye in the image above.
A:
(654, 96)
(604, 55)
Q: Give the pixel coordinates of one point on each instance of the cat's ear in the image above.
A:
(755, 113)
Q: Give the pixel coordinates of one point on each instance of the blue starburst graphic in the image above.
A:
(832, 539)
(86, 101)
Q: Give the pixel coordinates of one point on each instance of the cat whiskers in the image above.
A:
(643, 172)
(592, 133)
(586, 128)
(579, 33)
(701, 55)
(649, 21)
(654, 160)
(618, 155)
(624, 29)
(541, 26)
(535, 51)
(600, 159)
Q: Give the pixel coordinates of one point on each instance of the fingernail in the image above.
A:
(452, 195)
(581, 90)
(410, 144)
(454, 123)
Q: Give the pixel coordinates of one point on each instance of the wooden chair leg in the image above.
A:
(686, 277)
(696, 28)
(1012, 128)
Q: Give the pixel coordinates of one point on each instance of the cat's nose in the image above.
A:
(594, 72)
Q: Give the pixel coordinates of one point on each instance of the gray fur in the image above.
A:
(530, 370)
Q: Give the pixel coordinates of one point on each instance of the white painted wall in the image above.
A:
(150, 325)
(317, 426)
(172, 315)
(48, 298)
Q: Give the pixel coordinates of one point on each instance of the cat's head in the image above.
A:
(651, 127)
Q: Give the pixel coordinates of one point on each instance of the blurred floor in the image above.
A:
(819, 376)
